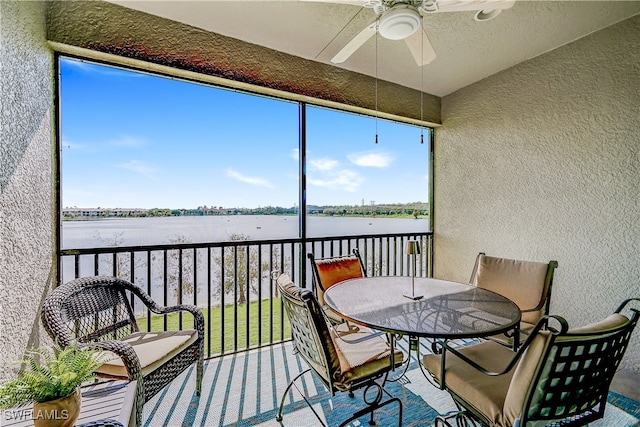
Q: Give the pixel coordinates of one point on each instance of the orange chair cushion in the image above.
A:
(332, 271)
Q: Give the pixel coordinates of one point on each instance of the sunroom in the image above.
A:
(534, 156)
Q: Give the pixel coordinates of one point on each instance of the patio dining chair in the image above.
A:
(559, 376)
(527, 283)
(97, 311)
(342, 362)
(329, 271)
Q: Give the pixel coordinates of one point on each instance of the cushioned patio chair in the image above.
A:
(527, 283)
(343, 362)
(97, 311)
(329, 271)
(558, 375)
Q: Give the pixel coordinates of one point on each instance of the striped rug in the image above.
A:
(245, 390)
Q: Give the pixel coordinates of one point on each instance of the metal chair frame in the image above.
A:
(311, 338)
(572, 380)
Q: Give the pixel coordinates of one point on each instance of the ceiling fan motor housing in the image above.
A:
(399, 22)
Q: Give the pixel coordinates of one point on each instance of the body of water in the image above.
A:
(205, 229)
(164, 277)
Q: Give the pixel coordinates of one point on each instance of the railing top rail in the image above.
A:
(235, 243)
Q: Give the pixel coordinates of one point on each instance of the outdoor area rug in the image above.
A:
(245, 390)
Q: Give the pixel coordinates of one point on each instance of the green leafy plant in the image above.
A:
(50, 374)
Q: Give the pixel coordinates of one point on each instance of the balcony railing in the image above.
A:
(232, 281)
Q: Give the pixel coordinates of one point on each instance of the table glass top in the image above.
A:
(447, 309)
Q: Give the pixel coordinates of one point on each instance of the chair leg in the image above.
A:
(374, 404)
(139, 402)
(199, 375)
(370, 409)
(292, 384)
(460, 417)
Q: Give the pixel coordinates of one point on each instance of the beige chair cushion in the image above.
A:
(613, 321)
(152, 348)
(523, 376)
(529, 364)
(501, 399)
(486, 393)
(362, 353)
(353, 352)
(520, 281)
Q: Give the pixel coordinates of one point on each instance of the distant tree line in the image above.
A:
(415, 209)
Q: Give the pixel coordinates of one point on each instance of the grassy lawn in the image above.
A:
(235, 325)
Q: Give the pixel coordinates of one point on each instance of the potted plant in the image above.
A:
(52, 380)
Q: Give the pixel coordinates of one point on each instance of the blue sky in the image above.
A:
(140, 141)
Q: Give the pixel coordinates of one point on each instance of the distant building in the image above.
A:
(101, 212)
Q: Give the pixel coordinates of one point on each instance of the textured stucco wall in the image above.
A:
(26, 176)
(542, 161)
(113, 29)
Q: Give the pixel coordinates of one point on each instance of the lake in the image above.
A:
(205, 229)
(202, 229)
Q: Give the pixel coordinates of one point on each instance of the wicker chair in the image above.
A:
(558, 376)
(527, 283)
(343, 360)
(96, 311)
(329, 271)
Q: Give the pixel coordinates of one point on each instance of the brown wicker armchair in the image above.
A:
(96, 311)
(558, 376)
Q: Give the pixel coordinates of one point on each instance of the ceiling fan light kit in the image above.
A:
(402, 20)
(399, 22)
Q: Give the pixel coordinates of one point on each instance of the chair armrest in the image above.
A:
(131, 363)
(125, 352)
(624, 304)
(543, 323)
(198, 317)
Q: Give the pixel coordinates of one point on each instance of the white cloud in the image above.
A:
(327, 173)
(345, 180)
(325, 164)
(295, 154)
(371, 160)
(260, 182)
(138, 167)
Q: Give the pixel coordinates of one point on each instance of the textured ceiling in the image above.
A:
(468, 51)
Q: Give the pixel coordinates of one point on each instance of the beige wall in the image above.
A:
(26, 176)
(118, 34)
(541, 162)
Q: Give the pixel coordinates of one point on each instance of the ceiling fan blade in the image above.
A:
(468, 5)
(420, 47)
(355, 43)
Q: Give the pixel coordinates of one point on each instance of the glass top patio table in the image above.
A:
(447, 310)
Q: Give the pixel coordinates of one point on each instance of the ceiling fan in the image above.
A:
(401, 20)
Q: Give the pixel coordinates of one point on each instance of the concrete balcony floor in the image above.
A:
(245, 390)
